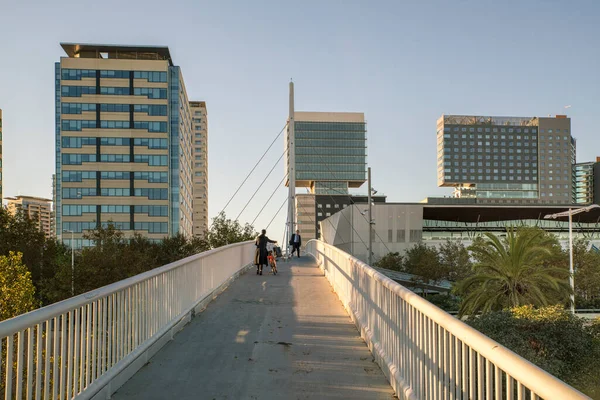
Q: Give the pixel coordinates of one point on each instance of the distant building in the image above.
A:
(200, 192)
(124, 142)
(331, 157)
(507, 159)
(36, 208)
(587, 182)
(400, 226)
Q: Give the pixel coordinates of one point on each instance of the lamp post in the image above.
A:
(72, 261)
(570, 212)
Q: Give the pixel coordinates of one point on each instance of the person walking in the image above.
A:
(260, 257)
(296, 242)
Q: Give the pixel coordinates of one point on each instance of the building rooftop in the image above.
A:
(488, 120)
(499, 212)
(17, 198)
(127, 52)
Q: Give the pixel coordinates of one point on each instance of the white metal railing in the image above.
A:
(425, 352)
(74, 348)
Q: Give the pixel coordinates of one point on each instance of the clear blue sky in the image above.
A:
(401, 63)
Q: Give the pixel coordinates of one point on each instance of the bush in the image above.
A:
(446, 302)
(552, 338)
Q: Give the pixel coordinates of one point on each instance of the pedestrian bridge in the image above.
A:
(208, 327)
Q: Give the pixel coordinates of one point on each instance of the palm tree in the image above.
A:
(513, 272)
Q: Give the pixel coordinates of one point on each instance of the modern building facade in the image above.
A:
(124, 142)
(0, 158)
(587, 182)
(200, 128)
(313, 209)
(507, 159)
(400, 226)
(331, 157)
(36, 208)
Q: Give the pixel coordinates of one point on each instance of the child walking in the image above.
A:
(272, 262)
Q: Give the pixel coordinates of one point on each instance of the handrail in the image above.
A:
(424, 351)
(69, 348)
(23, 321)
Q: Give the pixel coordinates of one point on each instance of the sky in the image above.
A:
(402, 63)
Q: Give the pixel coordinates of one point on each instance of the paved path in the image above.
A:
(266, 337)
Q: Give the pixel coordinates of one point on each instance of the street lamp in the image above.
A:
(72, 261)
(570, 214)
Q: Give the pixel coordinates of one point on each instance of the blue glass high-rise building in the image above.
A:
(123, 142)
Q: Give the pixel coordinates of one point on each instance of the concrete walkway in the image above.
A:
(266, 337)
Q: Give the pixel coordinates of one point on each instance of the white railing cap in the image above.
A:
(24, 321)
(541, 382)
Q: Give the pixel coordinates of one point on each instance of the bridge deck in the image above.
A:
(266, 337)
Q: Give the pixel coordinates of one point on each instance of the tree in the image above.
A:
(18, 233)
(587, 275)
(17, 293)
(455, 261)
(391, 261)
(511, 272)
(423, 261)
(101, 264)
(224, 231)
(560, 343)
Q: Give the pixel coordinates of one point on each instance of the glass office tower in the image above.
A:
(331, 157)
(123, 142)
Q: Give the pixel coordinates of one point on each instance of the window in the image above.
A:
(154, 110)
(115, 125)
(77, 108)
(77, 159)
(151, 76)
(77, 125)
(153, 126)
(115, 91)
(151, 93)
(114, 74)
(151, 159)
(151, 193)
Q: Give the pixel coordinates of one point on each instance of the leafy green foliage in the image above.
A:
(423, 261)
(112, 258)
(550, 337)
(587, 275)
(225, 231)
(445, 301)
(455, 261)
(17, 293)
(511, 272)
(392, 261)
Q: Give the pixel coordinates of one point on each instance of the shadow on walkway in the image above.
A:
(266, 337)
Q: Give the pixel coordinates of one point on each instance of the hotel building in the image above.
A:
(507, 159)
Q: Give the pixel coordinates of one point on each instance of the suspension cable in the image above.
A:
(350, 198)
(250, 173)
(269, 199)
(262, 183)
(280, 207)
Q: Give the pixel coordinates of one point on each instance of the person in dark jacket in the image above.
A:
(296, 242)
(260, 257)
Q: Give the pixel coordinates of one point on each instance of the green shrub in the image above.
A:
(562, 344)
